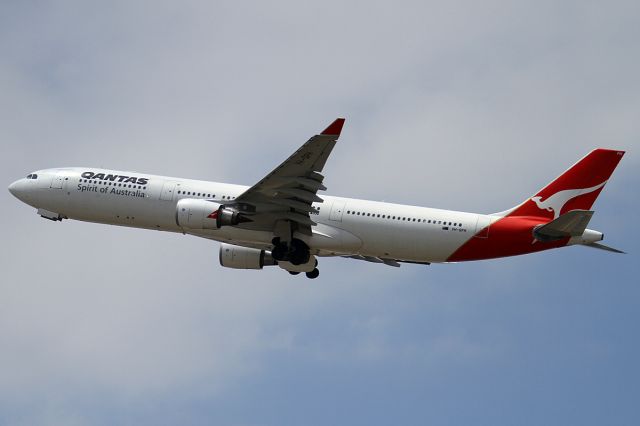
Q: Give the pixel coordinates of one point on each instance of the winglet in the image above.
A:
(334, 128)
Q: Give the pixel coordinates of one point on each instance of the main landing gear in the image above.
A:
(311, 274)
(297, 253)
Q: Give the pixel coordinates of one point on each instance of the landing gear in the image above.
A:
(313, 274)
(297, 252)
(279, 252)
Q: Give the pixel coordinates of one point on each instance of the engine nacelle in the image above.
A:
(203, 214)
(238, 257)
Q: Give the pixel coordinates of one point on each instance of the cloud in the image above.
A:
(460, 105)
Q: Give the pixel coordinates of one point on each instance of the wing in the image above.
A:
(287, 193)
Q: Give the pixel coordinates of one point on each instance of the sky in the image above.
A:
(461, 105)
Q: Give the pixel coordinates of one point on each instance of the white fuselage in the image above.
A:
(345, 226)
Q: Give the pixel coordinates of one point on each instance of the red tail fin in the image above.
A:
(575, 189)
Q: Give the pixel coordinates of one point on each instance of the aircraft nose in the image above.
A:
(13, 188)
(17, 189)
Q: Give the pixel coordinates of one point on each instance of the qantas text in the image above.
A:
(115, 178)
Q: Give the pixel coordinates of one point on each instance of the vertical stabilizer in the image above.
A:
(575, 189)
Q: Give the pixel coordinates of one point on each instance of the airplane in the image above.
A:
(282, 221)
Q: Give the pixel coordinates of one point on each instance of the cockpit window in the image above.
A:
(29, 176)
(34, 176)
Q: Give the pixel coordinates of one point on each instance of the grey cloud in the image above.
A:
(459, 105)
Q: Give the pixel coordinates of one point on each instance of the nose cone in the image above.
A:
(13, 188)
(17, 189)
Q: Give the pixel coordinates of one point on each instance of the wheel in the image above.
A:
(294, 272)
(279, 252)
(299, 253)
(299, 257)
(313, 274)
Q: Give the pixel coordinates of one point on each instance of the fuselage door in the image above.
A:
(58, 180)
(336, 210)
(168, 191)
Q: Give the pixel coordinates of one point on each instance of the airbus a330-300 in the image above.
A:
(282, 221)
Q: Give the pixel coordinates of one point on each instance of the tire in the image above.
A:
(279, 252)
(299, 252)
(313, 274)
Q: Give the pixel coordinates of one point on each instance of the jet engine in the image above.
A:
(204, 214)
(238, 257)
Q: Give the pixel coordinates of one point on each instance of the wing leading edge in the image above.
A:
(287, 193)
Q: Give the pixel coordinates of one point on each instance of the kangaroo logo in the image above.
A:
(556, 202)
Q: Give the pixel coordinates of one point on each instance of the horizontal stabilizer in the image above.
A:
(570, 224)
(603, 247)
